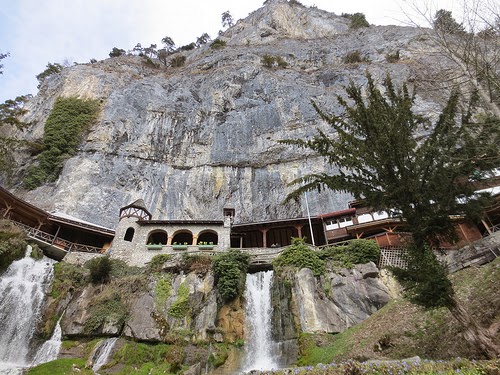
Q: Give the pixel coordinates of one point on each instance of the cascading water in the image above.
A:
(22, 291)
(261, 352)
(101, 353)
(50, 348)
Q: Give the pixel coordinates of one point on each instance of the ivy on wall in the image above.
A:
(64, 128)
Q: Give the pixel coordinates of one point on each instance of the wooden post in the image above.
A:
(55, 236)
(299, 230)
(487, 227)
(264, 237)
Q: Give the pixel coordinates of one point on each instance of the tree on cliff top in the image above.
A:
(391, 158)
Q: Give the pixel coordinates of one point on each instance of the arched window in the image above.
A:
(129, 234)
(182, 237)
(207, 237)
(157, 237)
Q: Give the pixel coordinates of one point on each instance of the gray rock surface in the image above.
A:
(195, 139)
(336, 301)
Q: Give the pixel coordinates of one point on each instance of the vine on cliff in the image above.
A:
(230, 270)
(64, 128)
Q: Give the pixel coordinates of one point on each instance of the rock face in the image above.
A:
(331, 303)
(186, 306)
(194, 139)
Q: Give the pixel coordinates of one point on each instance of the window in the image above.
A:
(129, 234)
(331, 224)
(345, 221)
(365, 218)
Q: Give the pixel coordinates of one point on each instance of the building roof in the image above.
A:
(348, 211)
(180, 222)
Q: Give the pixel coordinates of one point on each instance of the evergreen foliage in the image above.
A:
(444, 22)
(358, 20)
(115, 52)
(230, 272)
(299, 255)
(64, 128)
(218, 44)
(384, 160)
(50, 70)
(391, 159)
(2, 56)
(12, 109)
(425, 281)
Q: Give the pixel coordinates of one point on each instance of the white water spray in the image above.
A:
(22, 291)
(261, 351)
(102, 352)
(50, 348)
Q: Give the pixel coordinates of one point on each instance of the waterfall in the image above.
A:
(101, 353)
(22, 291)
(50, 348)
(261, 352)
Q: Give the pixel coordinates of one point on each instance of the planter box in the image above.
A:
(206, 247)
(179, 247)
(154, 247)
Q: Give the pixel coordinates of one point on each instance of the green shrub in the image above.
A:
(120, 269)
(50, 70)
(100, 269)
(108, 306)
(392, 57)
(230, 270)
(180, 307)
(354, 57)
(358, 20)
(163, 290)
(67, 277)
(218, 44)
(12, 244)
(141, 358)
(299, 255)
(200, 264)
(273, 61)
(158, 261)
(356, 252)
(219, 356)
(178, 61)
(64, 128)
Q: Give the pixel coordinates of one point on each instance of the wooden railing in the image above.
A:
(52, 240)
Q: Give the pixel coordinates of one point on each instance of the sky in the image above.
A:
(36, 32)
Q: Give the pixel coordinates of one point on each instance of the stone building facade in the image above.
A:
(138, 238)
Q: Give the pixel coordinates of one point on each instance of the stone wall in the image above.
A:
(136, 252)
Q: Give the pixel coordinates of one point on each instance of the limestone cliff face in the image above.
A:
(195, 139)
(331, 303)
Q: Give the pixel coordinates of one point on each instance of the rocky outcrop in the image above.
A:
(330, 303)
(194, 139)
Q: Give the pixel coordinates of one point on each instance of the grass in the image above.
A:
(140, 358)
(401, 330)
(62, 366)
(408, 367)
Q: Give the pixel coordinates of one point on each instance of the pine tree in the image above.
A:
(393, 159)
